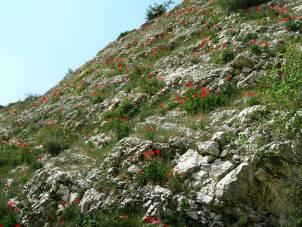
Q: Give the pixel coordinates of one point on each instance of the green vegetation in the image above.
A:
(224, 56)
(155, 172)
(294, 25)
(194, 103)
(55, 139)
(7, 216)
(175, 183)
(157, 10)
(235, 5)
(178, 217)
(123, 34)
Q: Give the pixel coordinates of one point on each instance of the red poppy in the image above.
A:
(120, 66)
(161, 47)
(157, 151)
(64, 203)
(229, 77)
(284, 20)
(11, 204)
(189, 85)
(177, 98)
(152, 220)
(203, 92)
(17, 225)
(17, 210)
(77, 200)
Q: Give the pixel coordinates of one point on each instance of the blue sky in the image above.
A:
(41, 39)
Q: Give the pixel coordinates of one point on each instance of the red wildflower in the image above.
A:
(157, 152)
(17, 210)
(166, 225)
(11, 204)
(152, 220)
(162, 47)
(77, 200)
(203, 92)
(1, 225)
(162, 105)
(189, 85)
(229, 77)
(17, 225)
(120, 66)
(64, 203)
(258, 9)
(284, 20)
(177, 98)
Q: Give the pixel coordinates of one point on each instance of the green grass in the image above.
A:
(155, 172)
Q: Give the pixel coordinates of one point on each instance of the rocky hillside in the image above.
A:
(195, 119)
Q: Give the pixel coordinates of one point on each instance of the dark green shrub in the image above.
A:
(56, 138)
(121, 128)
(54, 145)
(71, 213)
(224, 56)
(255, 49)
(235, 5)
(294, 25)
(123, 34)
(157, 10)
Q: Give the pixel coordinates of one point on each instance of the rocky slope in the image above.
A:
(192, 120)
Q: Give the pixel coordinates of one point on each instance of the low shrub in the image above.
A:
(294, 25)
(224, 56)
(157, 10)
(123, 34)
(235, 5)
(121, 128)
(55, 139)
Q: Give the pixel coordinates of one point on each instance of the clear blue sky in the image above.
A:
(41, 39)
